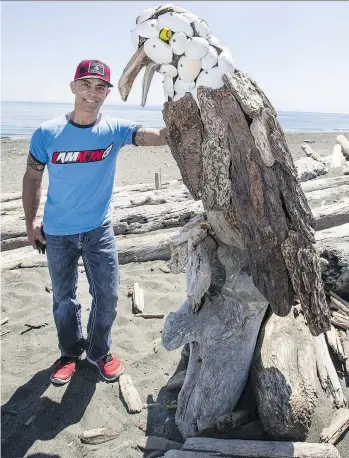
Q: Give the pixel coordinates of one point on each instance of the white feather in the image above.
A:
(210, 78)
(201, 28)
(177, 9)
(148, 29)
(168, 70)
(158, 51)
(196, 48)
(176, 22)
(188, 69)
(210, 60)
(134, 38)
(146, 14)
(178, 96)
(191, 17)
(181, 87)
(168, 86)
(178, 43)
(225, 62)
(212, 40)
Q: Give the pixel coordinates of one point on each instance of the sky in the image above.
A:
(298, 52)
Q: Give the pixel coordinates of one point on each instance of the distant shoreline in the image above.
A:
(20, 119)
(287, 131)
(157, 107)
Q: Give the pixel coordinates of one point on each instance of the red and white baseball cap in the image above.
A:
(93, 69)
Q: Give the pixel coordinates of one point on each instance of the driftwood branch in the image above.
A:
(261, 449)
(130, 394)
(339, 425)
(334, 343)
(327, 374)
(137, 299)
(311, 153)
(284, 377)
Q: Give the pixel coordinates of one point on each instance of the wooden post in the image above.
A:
(337, 157)
(157, 181)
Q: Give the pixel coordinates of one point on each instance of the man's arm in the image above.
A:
(31, 195)
(150, 137)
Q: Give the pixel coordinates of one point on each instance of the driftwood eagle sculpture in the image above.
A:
(253, 248)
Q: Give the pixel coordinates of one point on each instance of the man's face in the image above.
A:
(90, 93)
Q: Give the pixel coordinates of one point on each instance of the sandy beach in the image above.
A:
(62, 414)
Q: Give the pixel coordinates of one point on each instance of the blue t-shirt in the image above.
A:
(81, 165)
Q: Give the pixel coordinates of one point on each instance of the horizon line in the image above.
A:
(155, 106)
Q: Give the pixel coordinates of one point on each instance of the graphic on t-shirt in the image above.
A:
(81, 157)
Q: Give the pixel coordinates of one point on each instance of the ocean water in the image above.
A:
(20, 119)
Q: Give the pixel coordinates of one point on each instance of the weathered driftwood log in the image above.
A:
(141, 248)
(284, 377)
(336, 299)
(261, 449)
(340, 320)
(332, 215)
(129, 220)
(327, 373)
(140, 209)
(157, 443)
(334, 343)
(311, 153)
(339, 425)
(156, 246)
(344, 339)
(324, 183)
(336, 304)
(333, 247)
(233, 419)
(308, 168)
(341, 140)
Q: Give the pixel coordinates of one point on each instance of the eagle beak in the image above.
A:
(132, 69)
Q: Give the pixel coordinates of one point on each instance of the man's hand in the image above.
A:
(34, 233)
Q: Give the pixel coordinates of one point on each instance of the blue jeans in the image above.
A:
(99, 254)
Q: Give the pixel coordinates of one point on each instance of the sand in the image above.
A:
(87, 402)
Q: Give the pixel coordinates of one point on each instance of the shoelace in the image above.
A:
(65, 360)
(107, 358)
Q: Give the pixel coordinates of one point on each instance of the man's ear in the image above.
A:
(72, 87)
(108, 92)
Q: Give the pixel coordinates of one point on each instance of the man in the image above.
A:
(80, 150)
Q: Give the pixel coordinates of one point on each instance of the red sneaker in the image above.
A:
(63, 370)
(110, 367)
